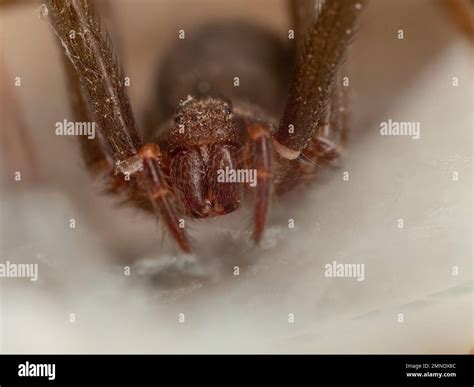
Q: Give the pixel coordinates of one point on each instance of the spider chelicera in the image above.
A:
(231, 97)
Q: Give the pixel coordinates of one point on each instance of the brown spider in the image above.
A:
(220, 128)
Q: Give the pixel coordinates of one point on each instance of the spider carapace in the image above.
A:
(237, 112)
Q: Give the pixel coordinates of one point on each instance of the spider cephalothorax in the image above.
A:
(206, 137)
(229, 83)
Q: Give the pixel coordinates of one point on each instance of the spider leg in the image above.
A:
(461, 14)
(102, 85)
(326, 144)
(324, 148)
(93, 156)
(17, 151)
(160, 195)
(303, 13)
(319, 58)
(260, 135)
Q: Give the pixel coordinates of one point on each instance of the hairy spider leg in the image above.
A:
(326, 144)
(260, 135)
(102, 85)
(319, 58)
(161, 196)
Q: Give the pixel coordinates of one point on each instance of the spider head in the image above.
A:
(205, 146)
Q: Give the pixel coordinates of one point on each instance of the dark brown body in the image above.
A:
(282, 133)
(206, 114)
(205, 63)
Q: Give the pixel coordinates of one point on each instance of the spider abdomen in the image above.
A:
(234, 61)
